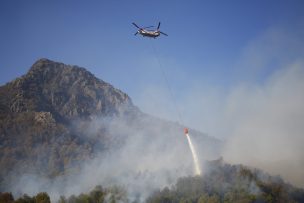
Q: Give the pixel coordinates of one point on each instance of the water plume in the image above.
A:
(194, 156)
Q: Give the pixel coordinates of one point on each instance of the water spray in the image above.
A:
(194, 155)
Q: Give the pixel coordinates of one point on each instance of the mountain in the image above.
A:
(67, 92)
(56, 117)
(36, 113)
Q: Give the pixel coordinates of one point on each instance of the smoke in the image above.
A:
(268, 125)
(266, 118)
(194, 155)
(261, 122)
(146, 154)
(261, 115)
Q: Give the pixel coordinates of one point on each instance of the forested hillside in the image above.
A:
(221, 183)
(230, 184)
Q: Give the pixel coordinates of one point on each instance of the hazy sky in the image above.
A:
(212, 47)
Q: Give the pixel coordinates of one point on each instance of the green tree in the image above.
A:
(6, 197)
(97, 195)
(213, 199)
(72, 199)
(25, 199)
(184, 200)
(203, 198)
(84, 198)
(62, 199)
(42, 197)
(239, 196)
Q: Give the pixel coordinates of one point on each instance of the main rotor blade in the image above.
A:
(158, 25)
(136, 33)
(136, 25)
(148, 27)
(163, 33)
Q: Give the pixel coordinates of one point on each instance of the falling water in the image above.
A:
(194, 155)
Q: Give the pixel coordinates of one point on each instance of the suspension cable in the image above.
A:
(162, 70)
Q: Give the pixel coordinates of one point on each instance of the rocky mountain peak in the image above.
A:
(64, 90)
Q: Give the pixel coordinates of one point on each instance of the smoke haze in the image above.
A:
(261, 115)
(269, 127)
(147, 154)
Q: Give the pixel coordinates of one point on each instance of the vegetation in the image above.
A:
(223, 183)
(230, 184)
(97, 195)
(41, 197)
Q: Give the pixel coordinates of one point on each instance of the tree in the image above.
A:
(62, 199)
(84, 198)
(97, 195)
(25, 199)
(6, 197)
(213, 199)
(72, 199)
(239, 196)
(203, 198)
(42, 197)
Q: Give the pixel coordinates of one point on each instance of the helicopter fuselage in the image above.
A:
(147, 33)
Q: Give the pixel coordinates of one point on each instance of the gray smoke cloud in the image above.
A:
(266, 119)
(268, 125)
(261, 115)
(144, 157)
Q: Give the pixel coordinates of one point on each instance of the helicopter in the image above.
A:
(149, 33)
